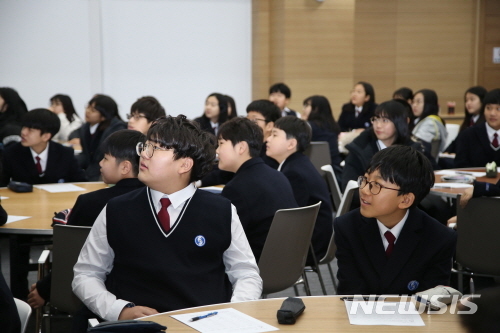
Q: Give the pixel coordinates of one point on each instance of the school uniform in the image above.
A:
(309, 188)
(258, 191)
(207, 126)
(474, 148)
(268, 160)
(130, 257)
(349, 119)
(91, 154)
(61, 166)
(323, 134)
(421, 257)
(287, 112)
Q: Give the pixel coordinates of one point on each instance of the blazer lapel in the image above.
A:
(372, 242)
(408, 240)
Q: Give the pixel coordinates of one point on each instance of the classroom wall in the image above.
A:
(178, 51)
(326, 47)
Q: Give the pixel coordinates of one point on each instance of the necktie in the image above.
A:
(494, 143)
(471, 122)
(358, 111)
(163, 214)
(390, 238)
(38, 165)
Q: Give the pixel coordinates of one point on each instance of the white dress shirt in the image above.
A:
(491, 135)
(96, 261)
(44, 155)
(396, 230)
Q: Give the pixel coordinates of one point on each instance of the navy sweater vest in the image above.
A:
(169, 273)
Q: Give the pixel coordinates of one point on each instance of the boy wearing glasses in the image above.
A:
(167, 246)
(388, 245)
(143, 112)
(289, 139)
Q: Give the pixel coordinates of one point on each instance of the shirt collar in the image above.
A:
(358, 108)
(281, 164)
(396, 230)
(93, 128)
(177, 198)
(381, 145)
(475, 118)
(43, 155)
(491, 131)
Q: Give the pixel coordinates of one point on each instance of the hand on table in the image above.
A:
(136, 312)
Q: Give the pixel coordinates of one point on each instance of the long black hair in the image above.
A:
(321, 113)
(67, 105)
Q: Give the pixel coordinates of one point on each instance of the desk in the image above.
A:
(454, 192)
(40, 205)
(322, 314)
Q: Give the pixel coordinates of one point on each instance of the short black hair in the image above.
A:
(266, 108)
(407, 168)
(492, 97)
(396, 112)
(107, 107)
(242, 129)
(44, 120)
(280, 88)
(296, 128)
(403, 93)
(187, 139)
(122, 146)
(149, 106)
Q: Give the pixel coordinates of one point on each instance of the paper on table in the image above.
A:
(396, 313)
(57, 188)
(3, 198)
(458, 172)
(451, 185)
(14, 218)
(226, 321)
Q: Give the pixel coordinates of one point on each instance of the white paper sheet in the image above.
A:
(58, 188)
(3, 198)
(396, 313)
(14, 218)
(226, 321)
(457, 172)
(451, 185)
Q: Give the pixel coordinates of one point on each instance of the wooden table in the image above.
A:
(322, 314)
(40, 205)
(453, 192)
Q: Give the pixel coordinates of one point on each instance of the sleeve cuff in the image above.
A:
(116, 309)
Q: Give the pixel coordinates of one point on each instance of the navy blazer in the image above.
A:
(348, 120)
(421, 258)
(309, 188)
(61, 167)
(474, 148)
(258, 191)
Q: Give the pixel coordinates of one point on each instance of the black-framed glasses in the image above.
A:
(255, 120)
(136, 116)
(148, 149)
(374, 187)
(382, 120)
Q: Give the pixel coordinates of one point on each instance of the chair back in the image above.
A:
(345, 203)
(452, 130)
(24, 311)
(68, 242)
(333, 185)
(478, 248)
(285, 252)
(319, 154)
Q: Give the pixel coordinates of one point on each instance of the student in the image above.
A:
(474, 112)
(280, 94)
(478, 145)
(37, 159)
(388, 245)
(289, 139)
(143, 112)
(63, 107)
(142, 258)
(102, 119)
(357, 113)
(231, 108)
(318, 113)
(390, 127)
(264, 113)
(119, 167)
(257, 190)
(215, 113)
(12, 109)
(429, 127)
(404, 93)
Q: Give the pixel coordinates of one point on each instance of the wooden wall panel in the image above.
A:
(488, 72)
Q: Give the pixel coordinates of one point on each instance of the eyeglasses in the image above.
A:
(148, 149)
(382, 120)
(136, 116)
(255, 120)
(374, 187)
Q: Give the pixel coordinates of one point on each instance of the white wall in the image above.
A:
(176, 50)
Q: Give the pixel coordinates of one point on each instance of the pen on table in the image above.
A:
(463, 173)
(204, 316)
(358, 298)
(440, 187)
